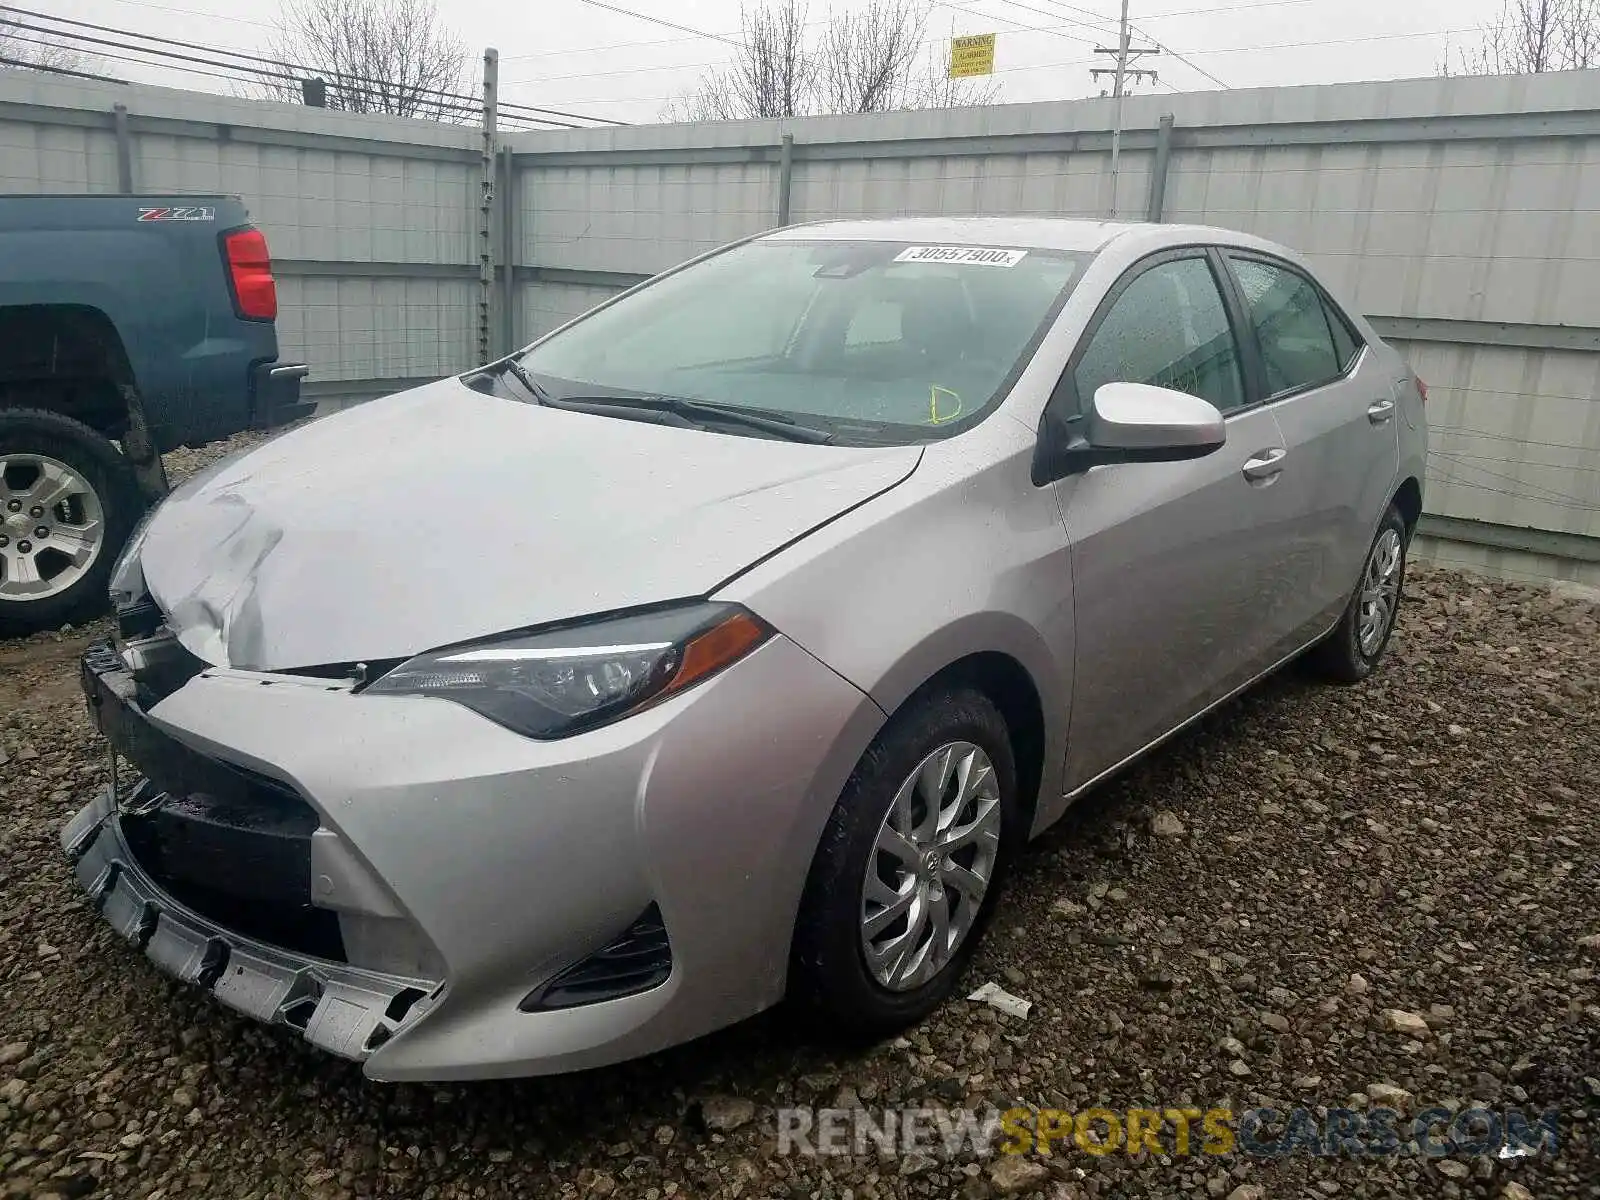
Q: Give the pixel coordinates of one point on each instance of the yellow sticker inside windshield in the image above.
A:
(934, 415)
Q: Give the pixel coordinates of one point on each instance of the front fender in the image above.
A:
(966, 557)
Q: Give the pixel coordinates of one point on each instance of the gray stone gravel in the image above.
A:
(1331, 896)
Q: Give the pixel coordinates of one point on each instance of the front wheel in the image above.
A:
(68, 502)
(909, 867)
(1351, 652)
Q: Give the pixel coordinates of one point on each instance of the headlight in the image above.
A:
(126, 582)
(557, 682)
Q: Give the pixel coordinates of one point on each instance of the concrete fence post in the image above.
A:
(1158, 169)
(785, 176)
(509, 199)
(124, 136)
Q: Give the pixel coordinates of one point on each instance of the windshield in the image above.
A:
(881, 340)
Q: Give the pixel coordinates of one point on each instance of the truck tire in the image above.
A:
(68, 502)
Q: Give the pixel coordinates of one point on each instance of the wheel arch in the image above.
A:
(1008, 660)
(67, 358)
(1006, 683)
(1408, 499)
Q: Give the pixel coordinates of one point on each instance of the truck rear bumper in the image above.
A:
(275, 394)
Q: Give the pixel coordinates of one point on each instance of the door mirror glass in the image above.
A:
(1139, 422)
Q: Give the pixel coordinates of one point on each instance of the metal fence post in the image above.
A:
(119, 122)
(785, 176)
(509, 198)
(491, 80)
(1158, 169)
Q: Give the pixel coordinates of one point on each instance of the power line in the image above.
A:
(1109, 25)
(441, 106)
(1372, 37)
(1021, 28)
(1100, 20)
(628, 12)
(1187, 63)
(957, 7)
(51, 70)
(143, 6)
(343, 81)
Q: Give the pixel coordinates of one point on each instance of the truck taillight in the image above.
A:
(255, 293)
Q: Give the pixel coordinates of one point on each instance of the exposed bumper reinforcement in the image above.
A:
(336, 1007)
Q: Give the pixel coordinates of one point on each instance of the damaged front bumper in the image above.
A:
(412, 885)
(336, 1007)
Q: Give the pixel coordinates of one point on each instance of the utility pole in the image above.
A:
(1126, 56)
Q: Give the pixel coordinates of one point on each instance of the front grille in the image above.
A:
(242, 860)
(228, 842)
(636, 962)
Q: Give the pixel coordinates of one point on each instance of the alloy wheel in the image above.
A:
(931, 866)
(52, 527)
(1380, 592)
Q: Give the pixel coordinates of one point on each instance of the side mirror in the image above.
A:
(1129, 422)
(1136, 422)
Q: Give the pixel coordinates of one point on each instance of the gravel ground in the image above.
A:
(1227, 926)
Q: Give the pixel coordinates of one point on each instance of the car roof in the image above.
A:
(1044, 233)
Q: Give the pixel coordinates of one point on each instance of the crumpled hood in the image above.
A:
(442, 514)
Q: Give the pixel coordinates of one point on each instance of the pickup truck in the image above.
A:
(129, 325)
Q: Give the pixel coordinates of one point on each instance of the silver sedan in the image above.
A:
(729, 642)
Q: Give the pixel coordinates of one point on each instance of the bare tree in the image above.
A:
(866, 60)
(31, 50)
(772, 75)
(1530, 37)
(372, 56)
(868, 57)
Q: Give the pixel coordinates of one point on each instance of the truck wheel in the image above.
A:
(68, 502)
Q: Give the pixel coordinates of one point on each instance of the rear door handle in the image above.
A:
(1265, 464)
(1380, 411)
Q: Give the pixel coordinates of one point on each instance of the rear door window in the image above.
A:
(1302, 345)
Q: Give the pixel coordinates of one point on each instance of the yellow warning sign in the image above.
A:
(972, 55)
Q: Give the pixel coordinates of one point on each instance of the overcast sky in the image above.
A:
(570, 54)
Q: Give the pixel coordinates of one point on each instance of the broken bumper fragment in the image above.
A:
(339, 1008)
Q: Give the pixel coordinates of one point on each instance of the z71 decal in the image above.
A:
(177, 214)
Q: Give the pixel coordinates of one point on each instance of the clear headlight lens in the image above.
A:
(557, 682)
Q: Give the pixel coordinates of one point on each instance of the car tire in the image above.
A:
(830, 977)
(1351, 652)
(31, 441)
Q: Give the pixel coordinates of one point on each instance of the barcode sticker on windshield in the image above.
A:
(982, 256)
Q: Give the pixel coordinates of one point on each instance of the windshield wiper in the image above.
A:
(521, 375)
(695, 412)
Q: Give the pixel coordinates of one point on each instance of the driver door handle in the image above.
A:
(1380, 411)
(1265, 464)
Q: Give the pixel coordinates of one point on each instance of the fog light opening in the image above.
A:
(635, 962)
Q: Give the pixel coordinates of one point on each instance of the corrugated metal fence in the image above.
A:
(1461, 215)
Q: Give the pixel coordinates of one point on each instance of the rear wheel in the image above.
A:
(1351, 652)
(909, 867)
(68, 502)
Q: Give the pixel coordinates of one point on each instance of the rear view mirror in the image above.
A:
(1129, 422)
(1141, 423)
